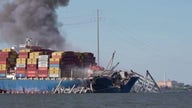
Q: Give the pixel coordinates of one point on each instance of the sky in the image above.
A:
(152, 35)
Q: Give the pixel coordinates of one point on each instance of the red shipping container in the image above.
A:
(31, 75)
(43, 75)
(31, 69)
(43, 68)
(3, 59)
(32, 66)
(21, 69)
(23, 53)
(57, 56)
(3, 62)
(2, 72)
(23, 56)
(54, 62)
(43, 72)
(20, 72)
(4, 54)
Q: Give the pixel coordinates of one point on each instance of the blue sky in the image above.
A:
(147, 34)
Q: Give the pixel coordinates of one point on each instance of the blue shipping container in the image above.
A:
(2, 75)
(20, 75)
(54, 65)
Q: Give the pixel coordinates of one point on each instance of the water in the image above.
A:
(130, 100)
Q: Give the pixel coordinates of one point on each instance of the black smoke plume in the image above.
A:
(31, 18)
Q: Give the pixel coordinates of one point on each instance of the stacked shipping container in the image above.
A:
(86, 59)
(7, 61)
(70, 61)
(42, 63)
(55, 66)
(43, 66)
(32, 64)
(21, 65)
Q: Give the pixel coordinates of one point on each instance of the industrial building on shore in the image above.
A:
(170, 84)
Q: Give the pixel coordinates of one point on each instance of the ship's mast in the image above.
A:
(28, 41)
(98, 52)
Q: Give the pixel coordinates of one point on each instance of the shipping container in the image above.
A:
(54, 72)
(42, 57)
(28, 71)
(57, 56)
(31, 75)
(20, 75)
(4, 62)
(3, 72)
(43, 68)
(21, 62)
(31, 66)
(2, 75)
(21, 71)
(21, 68)
(43, 71)
(43, 65)
(55, 62)
(43, 62)
(21, 65)
(31, 60)
(23, 53)
(3, 59)
(43, 75)
(4, 65)
(57, 53)
(32, 69)
(8, 50)
(25, 50)
(34, 54)
(54, 75)
(54, 65)
(23, 56)
(55, 59)
(4, 54)
(54, 69)
(3, 68)
(21, 59)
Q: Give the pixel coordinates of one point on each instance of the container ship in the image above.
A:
(33, 69)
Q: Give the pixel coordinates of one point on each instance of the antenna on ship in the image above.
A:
(28, 41)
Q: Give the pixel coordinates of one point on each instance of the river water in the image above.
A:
(130, 100)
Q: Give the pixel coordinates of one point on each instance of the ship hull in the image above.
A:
(35, 86)
(105, 85)
(48, 86)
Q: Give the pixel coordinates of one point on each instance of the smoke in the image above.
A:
(31, 18)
